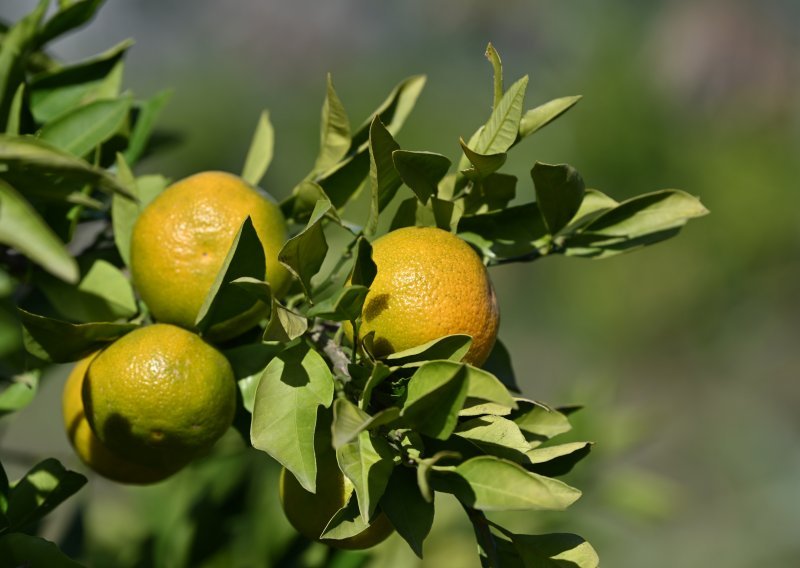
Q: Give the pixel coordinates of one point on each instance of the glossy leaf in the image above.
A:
(486, 387)
(22, 229)
(449, 347)
(495, 435)
(61, 342)
(559, 193)
(349, 421)
(259, 156)
(334, 130)
(81, 130)
(488, 483)
(368, 462)
(383, 176)
(225, 300)
(19, 393)
(346, 522)
(538, 422)
(304, 253)
(421, 171)
(294, 385)
(554, 461)
(41, 490)
(408, 511)
(500, 132)
(558, 550)
(483, 164)
(544, 114)
(344, 306)
(284, 325)
(248, 363)
(436, 392)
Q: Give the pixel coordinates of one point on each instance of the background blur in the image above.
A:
(685, 354)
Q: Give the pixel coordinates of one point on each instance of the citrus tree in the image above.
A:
(355, 345)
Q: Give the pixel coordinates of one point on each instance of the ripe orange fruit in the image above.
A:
(309, 513)
(429, 284)
(88, 447)
(181, 239)
(159, 396)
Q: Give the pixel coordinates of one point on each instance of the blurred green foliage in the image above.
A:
(691, 398)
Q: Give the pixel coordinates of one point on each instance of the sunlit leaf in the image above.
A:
(436, 392)
(421, 171)
(384, 178)
(501, 130)
(259, 156)
(544, 114)
(559, 193)
(368, 462)
(19, 393)
(82, 129)
(304, 253)
(334, 130)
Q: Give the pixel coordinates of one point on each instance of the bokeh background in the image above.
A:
(685, 355)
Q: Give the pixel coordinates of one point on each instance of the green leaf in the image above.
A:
(497, 66)
(14, 49)
(559, 193)
(344, 306)
(484, 386)
(81, 130)
(20, 549)
(40, 491)
(56, 92)
(225, 300)
(499, 365)
(542, 115)
(558, 550)
(368, 462)
(261, 150)
(449, 347)
(483, 164)
(554, 461)
(538, 422)
(436, 392)
(125, 211)
(72, 16)
(22, 228)
(4, 488)
(103, 294)
(61, 342)
(248, 363)
(424, 468)
(284, 325)
(500, 132)
(515, 232)
(364, 268)
(349, 421)
(384, 179)
(636, 222)
(495, 435)
(294, 385)
(447, 213)
(19, 394)
(343, 180)
(393, 111)
(346, 522)
(493, 193)
(28, 154)
(380, 373)
(299, 205)
(421, 171)
(334, 136)
(408, 511)
(15, 111)
(594, 204)
(304, 253)
(145, 115)
(488, 483)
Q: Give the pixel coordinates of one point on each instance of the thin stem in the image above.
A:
(484, 535)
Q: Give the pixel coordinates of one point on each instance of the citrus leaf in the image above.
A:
(20, 393)
(557, 550)
(421, 171)
(450, 347)
(334, 131)
(424, 468)
(436, 392)
(145, 115)
(447, 213)
(497, 66)
(13, 49)
(380, 373)
(495, 435)
(384, 179)
(248, 363)
(368, 462)
(304, 253)
(510, 233)
(482, 164)
(484, 386)
(341, 181)
(488, 483)
(294, 385)
(61, 342)
(69, 17)
(344, 306)
(499, 365)
(225, 300)
(259, 156)
(82, 129)
(20, 549)
(559, 193)
(29, 154)
(393, 111)
(594, 204)
(15, 111)
(349, 421)
(56, 92)
(364, 268)
(346, 522)
(538, 422)
(22, 229)
(41, 490)
(493, 193)
(410, 514)
(544, 114)
(500, 132)
(284, 325)
(554, 461)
